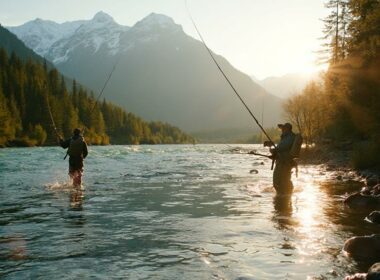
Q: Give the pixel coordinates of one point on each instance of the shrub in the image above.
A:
(366, 155)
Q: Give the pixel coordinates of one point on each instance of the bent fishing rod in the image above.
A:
(226, 77)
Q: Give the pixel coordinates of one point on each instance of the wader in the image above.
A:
(75, 151)
(282, 176)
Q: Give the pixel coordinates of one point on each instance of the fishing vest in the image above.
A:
(296, 146)
(76, 147)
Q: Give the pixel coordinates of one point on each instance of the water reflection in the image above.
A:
(283, 209)
(76, 198)
(13, 248)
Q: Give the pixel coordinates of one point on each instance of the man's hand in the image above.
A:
(268, 144)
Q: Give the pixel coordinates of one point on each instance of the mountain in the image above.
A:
(285, 86)
(40, 35)
(10, 43)
(31, 93)
(161, 73)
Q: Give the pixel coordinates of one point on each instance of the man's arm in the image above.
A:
(64, 143)
(85, 150)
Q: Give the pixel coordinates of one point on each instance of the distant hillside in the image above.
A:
(161, 73)
(29, 88)
(286, 85)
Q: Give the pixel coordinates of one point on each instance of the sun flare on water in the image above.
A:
(308, 213)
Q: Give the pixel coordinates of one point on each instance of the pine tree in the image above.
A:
(27, 91)
(335, 32)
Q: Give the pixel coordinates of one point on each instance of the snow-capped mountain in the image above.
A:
(40, 35)
(161, 73)
(90, 36)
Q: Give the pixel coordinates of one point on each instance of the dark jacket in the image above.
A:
(283, 148)
(76, 162)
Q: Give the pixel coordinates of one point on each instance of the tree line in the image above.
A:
(344, 104)
(29, 88)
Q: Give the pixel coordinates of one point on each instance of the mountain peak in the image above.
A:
(102, 17)
(156, 20)
(159, 18)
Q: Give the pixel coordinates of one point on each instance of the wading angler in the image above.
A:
(77, 152)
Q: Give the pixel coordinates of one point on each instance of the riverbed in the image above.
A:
(171, 212)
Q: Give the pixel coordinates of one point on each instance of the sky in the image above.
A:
(262, 38)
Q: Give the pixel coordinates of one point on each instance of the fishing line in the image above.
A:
(104, 86)
(50, 113)
(226, 77)
(101, 92)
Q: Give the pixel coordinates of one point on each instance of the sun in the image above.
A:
(308, 67)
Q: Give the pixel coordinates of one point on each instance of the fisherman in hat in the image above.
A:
(77, 151)
(284, 160)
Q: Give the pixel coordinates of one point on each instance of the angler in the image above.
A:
(77, 151)
(290, 145)
(284, 155)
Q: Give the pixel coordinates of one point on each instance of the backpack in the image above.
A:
(76, 147)
(296, 147)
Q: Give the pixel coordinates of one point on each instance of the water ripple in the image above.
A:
(168, 212)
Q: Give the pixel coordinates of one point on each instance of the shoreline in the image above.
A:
(339, 161)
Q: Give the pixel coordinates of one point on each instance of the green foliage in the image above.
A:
(7, 129)
(27, 89)
(38, 134)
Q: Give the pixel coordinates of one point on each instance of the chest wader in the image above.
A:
(283, 170)
(75, 152)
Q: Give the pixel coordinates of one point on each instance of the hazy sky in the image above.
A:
(260, 37)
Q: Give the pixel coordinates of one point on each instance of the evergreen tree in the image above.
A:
(27, 91)
(335, 32)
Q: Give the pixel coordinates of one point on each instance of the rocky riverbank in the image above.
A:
(339, 160)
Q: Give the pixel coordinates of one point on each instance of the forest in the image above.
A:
(343, 106)
(29, 88)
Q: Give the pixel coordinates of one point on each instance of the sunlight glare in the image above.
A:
(308, 216)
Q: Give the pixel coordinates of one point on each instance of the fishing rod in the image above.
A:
(50, 113)
(262, 155)
(104, 86)
(101, 92)
(226, 77)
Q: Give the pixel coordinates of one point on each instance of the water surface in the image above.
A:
(170, 212)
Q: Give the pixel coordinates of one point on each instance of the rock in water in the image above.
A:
(374, 272)
(361, 200)
(364, 247)
(374, 217)
(357, 276)
(372, 181)
(376, 190)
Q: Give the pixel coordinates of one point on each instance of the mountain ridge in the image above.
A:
(162, 73)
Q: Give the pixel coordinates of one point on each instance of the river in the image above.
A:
(170, 212)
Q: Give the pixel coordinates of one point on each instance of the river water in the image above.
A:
(170, 212)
